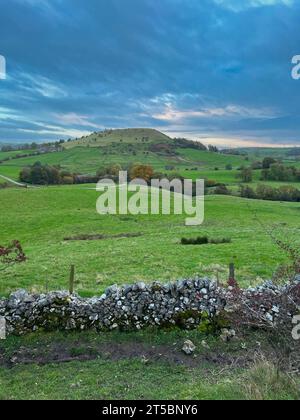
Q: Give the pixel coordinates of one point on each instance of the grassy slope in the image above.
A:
(88, 160)
(41, 218)
(90, 153)
(131, 135)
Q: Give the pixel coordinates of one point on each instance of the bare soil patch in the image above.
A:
(97, 237)
(68, 352)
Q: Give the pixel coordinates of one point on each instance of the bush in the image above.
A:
(280, 172)
(247, 192)
(265, 192)
(220, 241)
(53, 175)
(11, 255)
(41, 175)
(204, 240)
(200, 240)
(209, 183)
(222, 190)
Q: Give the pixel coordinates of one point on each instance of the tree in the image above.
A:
(213, 148)
(11, 255)
(267, 162)
(246, 175)
(145, 172)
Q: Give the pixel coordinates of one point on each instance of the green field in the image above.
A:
(148, 364)
(41, 218)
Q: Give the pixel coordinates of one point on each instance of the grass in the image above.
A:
(41, 219)
(127, 377)
(211, 160)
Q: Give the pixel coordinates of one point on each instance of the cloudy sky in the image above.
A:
(214, 70)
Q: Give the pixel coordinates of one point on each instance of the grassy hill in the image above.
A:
(148, 147)
(129, 135)
(145, 146)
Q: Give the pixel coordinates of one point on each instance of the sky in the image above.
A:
(217, 71)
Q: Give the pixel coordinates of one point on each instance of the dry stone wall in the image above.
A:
(137, 306)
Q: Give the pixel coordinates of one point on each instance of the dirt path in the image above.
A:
(19, 184)
(59, 352)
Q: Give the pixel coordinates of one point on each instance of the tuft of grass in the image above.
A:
(265, 382)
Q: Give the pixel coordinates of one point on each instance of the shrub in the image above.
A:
(222, 190)
(204, 240)
(200, 240)
(209, 183)
(247, 192)
(10, 255)
(41, 175)
(220, 241)
(280, 172)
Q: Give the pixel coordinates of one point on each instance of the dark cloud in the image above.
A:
(184, 66)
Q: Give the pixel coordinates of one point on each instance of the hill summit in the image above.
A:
(130, 135)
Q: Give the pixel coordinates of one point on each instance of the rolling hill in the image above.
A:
(148, 147)
(145, 146)
(130, 135)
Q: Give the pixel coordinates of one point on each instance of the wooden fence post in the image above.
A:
(72, 279)
(232, 280)
(231, 271)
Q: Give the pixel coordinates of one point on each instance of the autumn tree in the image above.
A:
(145, 172)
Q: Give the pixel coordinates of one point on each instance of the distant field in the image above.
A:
(4, 155)
(41, 219)
(212, 160)
(262, 152)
